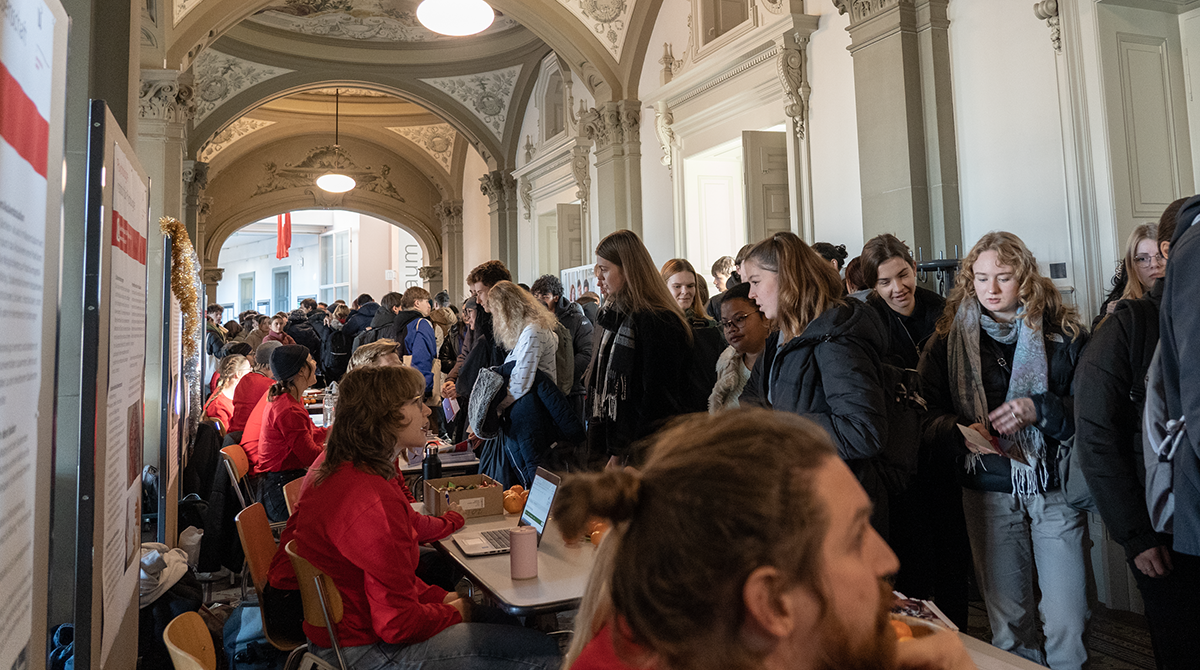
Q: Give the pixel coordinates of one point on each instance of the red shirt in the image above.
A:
(252, 432)
(252, 387)
(601, 654)
(288, 440)
(357, 528)
(220, 407)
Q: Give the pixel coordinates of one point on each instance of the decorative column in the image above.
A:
(615, 128)
(195, 180)
(454, 276)
(583, 191)
(432, 276)
(908, 157)
(792, 67)
(501, 190)
(211, 277)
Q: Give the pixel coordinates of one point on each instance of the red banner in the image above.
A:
(20, 123)
(127, 239)
(283, 235)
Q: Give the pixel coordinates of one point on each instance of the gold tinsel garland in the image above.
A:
(183, 281)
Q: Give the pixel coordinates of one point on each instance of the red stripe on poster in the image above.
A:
(20, 123)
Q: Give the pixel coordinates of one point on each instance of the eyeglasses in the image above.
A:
(1145, 261)
(736, 322)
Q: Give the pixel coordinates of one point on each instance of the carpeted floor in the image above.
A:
(1117, 640)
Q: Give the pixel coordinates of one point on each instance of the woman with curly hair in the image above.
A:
(1001, 363)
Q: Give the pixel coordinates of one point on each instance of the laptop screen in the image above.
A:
(541, 496)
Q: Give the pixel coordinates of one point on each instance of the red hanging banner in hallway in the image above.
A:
(283, 234)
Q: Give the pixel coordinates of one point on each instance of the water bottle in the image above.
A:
(431, 467)
(329, 404)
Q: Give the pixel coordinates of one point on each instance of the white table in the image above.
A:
(563, 570)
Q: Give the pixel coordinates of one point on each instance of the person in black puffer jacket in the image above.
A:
(301, 330)
(823, 361)
(361, 316)
(1001, 364)
(642, 371)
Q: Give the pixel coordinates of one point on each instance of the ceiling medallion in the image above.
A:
(456, 17)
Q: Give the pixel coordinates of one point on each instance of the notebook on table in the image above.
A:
(536, 513)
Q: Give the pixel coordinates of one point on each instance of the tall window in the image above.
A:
(245, 291)
(335, 266)
(720, 16)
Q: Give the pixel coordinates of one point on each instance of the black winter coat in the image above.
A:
(906, 343)
(1110, 393)
(830, 374)
(571, 316)
(658, 384)
(359, 319)
(1055, 409)
(300, 330)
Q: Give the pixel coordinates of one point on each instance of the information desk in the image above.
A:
(562, 570)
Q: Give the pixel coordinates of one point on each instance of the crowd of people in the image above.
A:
(776, 456)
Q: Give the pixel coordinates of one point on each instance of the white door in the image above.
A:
(570, 236)
(765, 174)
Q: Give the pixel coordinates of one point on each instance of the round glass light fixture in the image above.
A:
(456, 17)
(336, 183)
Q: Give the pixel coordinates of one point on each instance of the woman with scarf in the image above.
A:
(997, 376)
(642, 372)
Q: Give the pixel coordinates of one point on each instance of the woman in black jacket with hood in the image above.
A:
(823, 361)
(1001, 365)
(642, 371)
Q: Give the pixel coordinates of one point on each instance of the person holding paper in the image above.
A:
(1000, 366)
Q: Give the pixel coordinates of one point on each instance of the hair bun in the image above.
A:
(612, 495)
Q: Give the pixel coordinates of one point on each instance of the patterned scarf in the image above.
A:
(1029, 375)
(615, 362)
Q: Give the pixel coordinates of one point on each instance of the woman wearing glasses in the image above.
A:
(746, 330)
(1148, 266)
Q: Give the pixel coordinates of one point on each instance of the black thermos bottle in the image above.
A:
(431, 467)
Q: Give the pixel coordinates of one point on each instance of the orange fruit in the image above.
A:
(517, 488)
(513, 504)
(901, 629)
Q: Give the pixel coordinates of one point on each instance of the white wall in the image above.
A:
(833, 131)
(1010, 144)
(477, 233)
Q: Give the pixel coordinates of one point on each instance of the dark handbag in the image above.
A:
(1070, 476)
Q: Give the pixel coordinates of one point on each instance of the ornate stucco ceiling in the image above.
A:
(356, 20)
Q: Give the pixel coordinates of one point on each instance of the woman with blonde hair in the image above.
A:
(642, 370)
(823, 361)
(691, 294)
(230, 371)
(1142, 266)
(1002, 362)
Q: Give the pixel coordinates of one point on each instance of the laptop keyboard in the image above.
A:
(496, 538)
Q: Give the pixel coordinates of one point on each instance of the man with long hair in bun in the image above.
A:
(642, 372)
(1001, 363)
(743, 542)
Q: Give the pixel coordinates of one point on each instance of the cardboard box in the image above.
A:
(487, 501)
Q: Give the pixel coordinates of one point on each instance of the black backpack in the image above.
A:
(336, 356)
(394, 330)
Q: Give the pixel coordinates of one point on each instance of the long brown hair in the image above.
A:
(369, 419)
(674, 267)
(1133, 283)
(808, 285)
(1039, 295)
(686, 527)
(644, 290)
(513, 308)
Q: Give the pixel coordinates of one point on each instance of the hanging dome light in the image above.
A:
(456, 17)
(335, 182)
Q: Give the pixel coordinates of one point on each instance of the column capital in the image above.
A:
(429, 272)
(614, 123)
(449, 212)
(166, 95)
(212, 275)
(864, 10)
(498, 185)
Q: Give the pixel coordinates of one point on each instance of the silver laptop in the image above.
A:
(536, 513)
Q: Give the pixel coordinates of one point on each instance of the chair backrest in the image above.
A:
(291, 494)
(306, 575)
(258, 543)
(189, 643)
(236, 466)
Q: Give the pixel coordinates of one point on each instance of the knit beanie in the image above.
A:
(287, 360)
(262, 355)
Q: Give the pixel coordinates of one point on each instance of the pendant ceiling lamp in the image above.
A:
(333, 181)
(455, 17)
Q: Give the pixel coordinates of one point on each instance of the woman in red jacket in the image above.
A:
(220, 404)
(355, 525)
(288, 442)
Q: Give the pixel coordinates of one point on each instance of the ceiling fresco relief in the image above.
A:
(361, 20)
(607, 19)
(219, 77)
(232, 133)
(487, 94)
(436, 140)
(304, 173)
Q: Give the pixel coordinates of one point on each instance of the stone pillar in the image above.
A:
(195, 180)
(165, 106)
(211, 277)
(454, 276)
(501, 190)
(615, 128)
(432, 276)
(907, 151)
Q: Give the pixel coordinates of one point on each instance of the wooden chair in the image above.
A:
(322, 601)
(291, 494)
(237, 465)
(189, 643)
(259, 544)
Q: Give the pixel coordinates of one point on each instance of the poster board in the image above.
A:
(577, 281)
(33, 58)
(111, 408)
